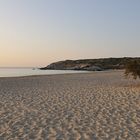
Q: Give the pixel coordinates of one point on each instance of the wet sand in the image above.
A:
(89, 106)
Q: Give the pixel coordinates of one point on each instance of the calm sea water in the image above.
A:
(17, 72)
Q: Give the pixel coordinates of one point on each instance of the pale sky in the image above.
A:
(38, 32)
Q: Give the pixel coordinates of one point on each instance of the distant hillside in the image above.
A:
(91, 64)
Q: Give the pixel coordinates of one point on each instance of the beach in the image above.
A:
(86, 106)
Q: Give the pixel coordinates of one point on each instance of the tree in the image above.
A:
(133, 69)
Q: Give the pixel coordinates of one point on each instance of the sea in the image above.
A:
(19, 72)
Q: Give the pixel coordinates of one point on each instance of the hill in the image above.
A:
(91, 64)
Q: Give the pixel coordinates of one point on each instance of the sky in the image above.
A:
(34, 33)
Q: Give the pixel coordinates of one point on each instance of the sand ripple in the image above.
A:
(96, 106)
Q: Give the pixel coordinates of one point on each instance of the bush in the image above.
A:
(133, 69)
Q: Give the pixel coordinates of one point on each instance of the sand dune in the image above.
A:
(91, 106)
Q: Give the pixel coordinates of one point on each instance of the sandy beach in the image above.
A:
(88, 106)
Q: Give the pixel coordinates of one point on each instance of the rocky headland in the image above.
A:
(91, 64)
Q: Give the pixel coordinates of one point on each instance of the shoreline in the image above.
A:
(85, 72)
(30, 72)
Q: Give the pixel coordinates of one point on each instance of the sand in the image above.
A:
(89, 106)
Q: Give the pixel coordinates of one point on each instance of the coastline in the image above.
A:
(14, 72)
(76, 72)
(96, 105)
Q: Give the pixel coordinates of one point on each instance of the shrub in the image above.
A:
(133, 69)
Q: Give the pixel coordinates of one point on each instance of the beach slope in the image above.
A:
(96, 106)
